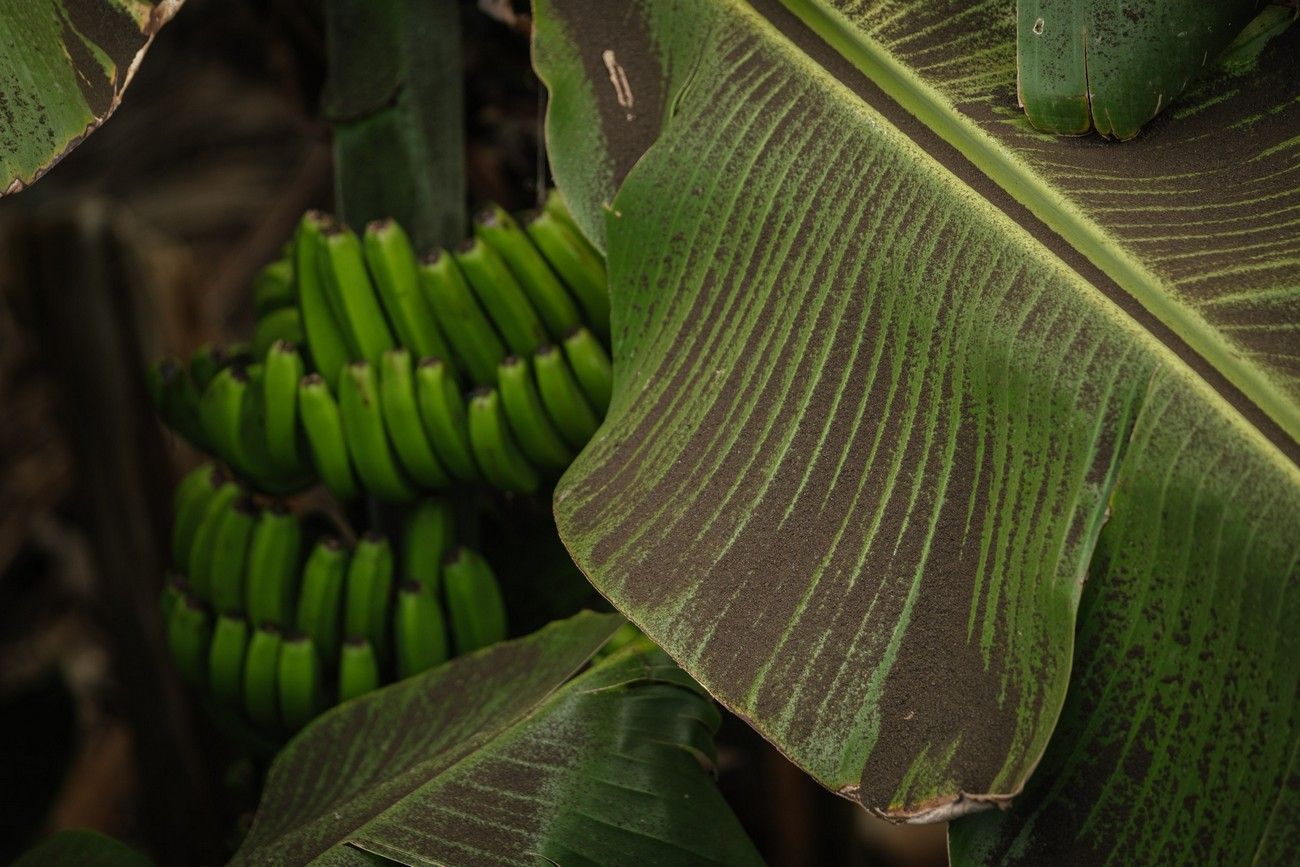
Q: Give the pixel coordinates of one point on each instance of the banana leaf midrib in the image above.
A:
(1277, 418)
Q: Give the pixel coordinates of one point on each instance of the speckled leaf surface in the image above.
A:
(64, 65)
(867, 431)
(1098, 64)
(506, 757)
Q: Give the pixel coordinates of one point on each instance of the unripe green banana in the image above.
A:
(253, 451)
(221, 411)
(282, 324)
(557, 207)
(323, 425)
(273, 287)
(495, 450)
(204, 364)
(226, 660)
(189, 632)
(548, 296)
(402, 420)
(475, 341)
(533, 430)
(261, 678)
(419, 633)
(442, 410)
(199, 565)
(426, 538)
(474, 606)
(346, 279)
(284, 370)
(369, 591)
(320, 602)
(502, 297)
(173, 589)
(591, 367)
(301, 681)
(230, 557)
(392, 265)
(177, 400)
(193, 494)
(367, 439)
(581, 267)
(566, 406)
(327, 339)
(358, 669)
(273, 555)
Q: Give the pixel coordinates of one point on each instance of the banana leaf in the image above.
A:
(506, 757)
(64, 65)
(929, 455)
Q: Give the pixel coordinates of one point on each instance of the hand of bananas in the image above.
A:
(374, 399)
(276, 626)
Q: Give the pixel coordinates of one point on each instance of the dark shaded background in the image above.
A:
(141, 243)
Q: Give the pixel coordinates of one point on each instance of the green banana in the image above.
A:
(419, 633)
(358, 669)
(189, 631)
(353, 295)
(273, 287)
(199, 565)
(369, 588)
(402, 420)
(548, 296)
(221, 411)
(273, 555)
(205, 362)
(193, 493)
(502, 296)
(533, 430)
(558, 208)
(282, 324)
(177, 399)
(442, 410)
(579, 266)
(230, 557)
(426, 537)
(323, 425)
(261, 677)
(327, 339)
(226, 660)
(392, 265)
(474, 605)
(495, 451)
(301, 681)
(283, 372)
(367, 439)
(563, 399)
(320, 601)
(253, 450)
(172, 590)
(591, 367)
(477, 346)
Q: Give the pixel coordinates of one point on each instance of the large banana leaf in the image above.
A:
(64, 65)
(871, 418)
(503, 757)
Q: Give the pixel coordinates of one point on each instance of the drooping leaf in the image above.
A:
(1114, 66)
(504, 757)
(64, 65)
(82, 847)
(870, 418)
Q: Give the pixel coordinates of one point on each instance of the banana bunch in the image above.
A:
(275, 626)
(357, 371)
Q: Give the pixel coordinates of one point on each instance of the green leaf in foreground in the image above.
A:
(82, 847)
(504, 757)
(869, 423)
(64, 65)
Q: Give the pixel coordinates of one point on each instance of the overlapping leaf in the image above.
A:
(867, 430)
(501, 758)
(64, 65)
